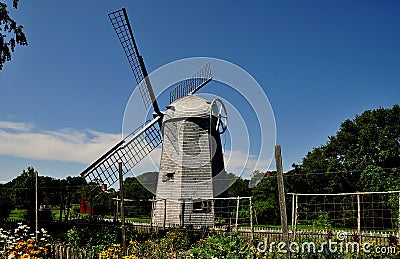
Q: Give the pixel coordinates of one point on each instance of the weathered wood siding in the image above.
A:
(186, 168)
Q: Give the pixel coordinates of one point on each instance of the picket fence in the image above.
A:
(65, 252)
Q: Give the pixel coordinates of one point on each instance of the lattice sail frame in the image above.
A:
(129, 151)
(192, 84)
(122, 27)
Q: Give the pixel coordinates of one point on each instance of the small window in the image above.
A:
(169, 177)
(202, 206)
(197, 206)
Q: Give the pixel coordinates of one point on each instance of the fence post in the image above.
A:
(237, 213)
(398, 222)
(251, 219)
(152, 212)
(293, 211)
(282, 202)
(165, 212)
(183, 214)
(294, 215)
(121, 191)
(36, 208)
(358, 215)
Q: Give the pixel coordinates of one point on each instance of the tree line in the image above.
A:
(364, 155)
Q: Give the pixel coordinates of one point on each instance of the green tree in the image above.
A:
(4, 203)
(266, 200)
(141, 204)
(239, 188)
(344, 163)
(11, 33)
(23, 189)
(22, 194)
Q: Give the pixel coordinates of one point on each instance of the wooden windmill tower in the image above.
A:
(190, 131)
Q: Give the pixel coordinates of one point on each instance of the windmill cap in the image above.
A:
(189, 106)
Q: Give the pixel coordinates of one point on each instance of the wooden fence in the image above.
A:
(263, 234)
(60, 251)
(65, 252)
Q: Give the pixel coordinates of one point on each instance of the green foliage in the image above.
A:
(11, 33)
(172, 243)
(239, 188)
(323, 221)
(266, 201)
(362, 156)
(4, 205)
(224, 246)
(73, 237)
(87, 237)
(133, 189)
(374, 178)
(18, 215)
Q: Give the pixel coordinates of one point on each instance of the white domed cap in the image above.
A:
(189, 106)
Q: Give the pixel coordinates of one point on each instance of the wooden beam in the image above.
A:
(282, 201)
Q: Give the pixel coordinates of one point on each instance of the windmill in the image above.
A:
(190, 131)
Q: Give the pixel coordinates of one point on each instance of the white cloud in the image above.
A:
(243, 164)
(20, 140)
(18, 126)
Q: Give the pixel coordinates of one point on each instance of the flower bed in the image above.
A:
(20, 244)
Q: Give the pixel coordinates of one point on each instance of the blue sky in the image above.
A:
(319, 62)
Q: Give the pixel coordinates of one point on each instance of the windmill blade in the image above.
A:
(122, 27)
(193, 84)
(129, 151)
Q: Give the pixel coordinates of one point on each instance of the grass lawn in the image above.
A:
(140, 219)
(17, 214)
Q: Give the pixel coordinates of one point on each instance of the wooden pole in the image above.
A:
(237, 213)
(165, 212)
(358, 215)
(398, 223)
(183, 214)
(152, 214)
(282, 202)
(36, 207)
(251, 219)
(61, 205)
(117, 211)
(121, 193)
(293, 216)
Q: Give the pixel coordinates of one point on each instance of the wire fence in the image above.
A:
(361, 211)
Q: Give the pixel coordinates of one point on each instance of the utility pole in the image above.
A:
(121, 193)
(282, 202)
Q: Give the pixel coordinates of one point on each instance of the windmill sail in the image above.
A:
(122, 27)
(193, 84)
(129, 151)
